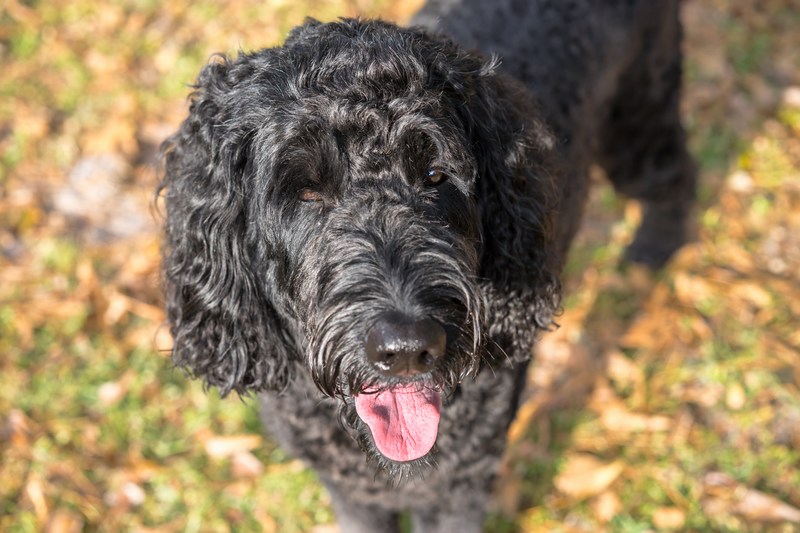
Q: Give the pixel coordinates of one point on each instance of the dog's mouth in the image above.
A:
(403, 420)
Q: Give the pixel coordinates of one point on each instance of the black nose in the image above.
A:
(401, 346)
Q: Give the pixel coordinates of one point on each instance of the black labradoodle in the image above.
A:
(366, 227)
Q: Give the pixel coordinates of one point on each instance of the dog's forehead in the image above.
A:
(362, 99)
(372, 60)
(390, 138)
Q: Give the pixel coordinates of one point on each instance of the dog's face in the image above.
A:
(351, 202)
(375, 256)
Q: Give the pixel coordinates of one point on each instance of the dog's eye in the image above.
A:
(307, 195)
(435, 177)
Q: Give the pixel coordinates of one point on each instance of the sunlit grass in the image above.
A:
(99, 431)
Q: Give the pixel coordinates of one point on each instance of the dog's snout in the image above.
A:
(402, 346)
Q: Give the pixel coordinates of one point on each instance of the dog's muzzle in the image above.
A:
(403, 420)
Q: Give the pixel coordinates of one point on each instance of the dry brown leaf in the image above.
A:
(730, 496)
(326, 528)
(70, 474)
(648, 330)
(669, 518)
(119, 304)
(221, 447)
(584, 476)
(128, 495)
(24, 327)
(34, 490)
(705, 394)
(791, 96)
(141, 469)
(735, 397)
(716, 507)
(525, 417)
(619, 419)
(238, 489)
(245, 464)
(741, 181)
(622, 370)
(65, 521)
(701, 329)
(690, 290)
(734, 257)
(606, 506)
(266, 522)
(162, 340)
(112, 392)
(756, 505)
(18, 428)
(753, 294)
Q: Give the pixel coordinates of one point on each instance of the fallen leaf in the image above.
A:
(791, 96)
(65, 521)
(326, 528)
(735, 397)
(623, 371)
(618, 419)
(245, 464)
(730, 496)
(756, 505)
(584, 475)
(741, 182)
(34, 490)
(111, 392)
(222, 447)
(18, 428)
(606, 506)
(130, 494)
(669, 518)
(753, 294)
(691, 290)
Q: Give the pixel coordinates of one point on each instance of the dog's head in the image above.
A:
(370, 202)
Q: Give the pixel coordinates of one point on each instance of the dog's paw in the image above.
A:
(650, 254)
(661, 234)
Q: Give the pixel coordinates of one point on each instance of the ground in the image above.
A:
(664, 402)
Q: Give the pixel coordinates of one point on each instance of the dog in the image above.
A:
(366, 226)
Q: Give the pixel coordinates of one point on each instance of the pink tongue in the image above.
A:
(404, 421)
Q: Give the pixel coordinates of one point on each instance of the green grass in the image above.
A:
(93, 416)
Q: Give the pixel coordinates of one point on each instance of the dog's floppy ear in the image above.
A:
(516, 189)
(224, 328)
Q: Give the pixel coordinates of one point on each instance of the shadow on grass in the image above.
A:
(729, 105)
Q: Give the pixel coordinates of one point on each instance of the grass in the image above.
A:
(680, 391)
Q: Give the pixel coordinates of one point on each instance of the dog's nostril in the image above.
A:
(399, 345)
(425, 358)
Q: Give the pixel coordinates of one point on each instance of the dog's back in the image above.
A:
(607, 75)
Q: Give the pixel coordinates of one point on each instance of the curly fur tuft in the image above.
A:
(225, 329)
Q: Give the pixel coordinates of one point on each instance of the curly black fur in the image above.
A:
(298, 212)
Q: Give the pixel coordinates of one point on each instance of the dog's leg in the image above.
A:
(359, 518)
(642, 145)
(666, 210)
